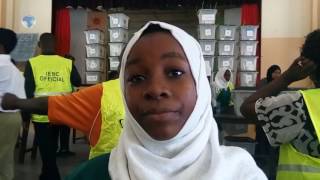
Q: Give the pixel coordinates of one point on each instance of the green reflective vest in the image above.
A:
(112, 116)
(294, 165)
(52, 77)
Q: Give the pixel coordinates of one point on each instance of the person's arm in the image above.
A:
(34, 105)
(299, 69)
(79, 110)
(29, 84)
(75, 77)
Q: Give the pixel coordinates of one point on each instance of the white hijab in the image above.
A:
(220, 81)
(194, 153)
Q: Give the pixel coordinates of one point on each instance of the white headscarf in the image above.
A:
(220, 81)
(194, 153)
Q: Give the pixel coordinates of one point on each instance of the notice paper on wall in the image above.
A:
(26, 47)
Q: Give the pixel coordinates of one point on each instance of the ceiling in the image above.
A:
(146, 4)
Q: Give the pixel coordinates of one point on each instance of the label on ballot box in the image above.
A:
(92, 36)
(225, 63)
(250, 33)
(248, 78)
(249, 49)
(227, 48)
(228, 33)
(207, 32)
(208, 17)
(207, 47)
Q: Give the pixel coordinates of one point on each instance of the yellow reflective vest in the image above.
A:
(294, 165)
(51, 76)
(112, 116)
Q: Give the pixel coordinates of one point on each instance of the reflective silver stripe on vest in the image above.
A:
(298, 168)
(50, 94)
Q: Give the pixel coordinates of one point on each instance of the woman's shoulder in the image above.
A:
(96, 168)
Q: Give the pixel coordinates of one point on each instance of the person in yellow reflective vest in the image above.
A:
(48, 74)
(292, 120)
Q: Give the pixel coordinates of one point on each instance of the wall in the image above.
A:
(12, 12)
(6, 11)
(40, 9)
(284, 25)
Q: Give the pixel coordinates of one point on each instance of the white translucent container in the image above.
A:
(249, 32)
(118, 35)
(93, 77)
(210, 59)
(117, 20)
(95, 64)
(114, 63)
(227, 33)
(208, 47)
(207, 16)
(248, 48)
(96, 51)
(227, 48)
(227, 62)
(208, 67)
(238, 97)
(248, 63)
(248, 79)
(115, 49)
(207, 31)
(94, 37)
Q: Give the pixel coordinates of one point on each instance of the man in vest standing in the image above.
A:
(292, 120)
(48, 74)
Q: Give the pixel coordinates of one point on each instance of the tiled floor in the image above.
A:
(30, 170)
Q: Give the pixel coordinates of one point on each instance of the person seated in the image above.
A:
(222, 88)
(273, 72)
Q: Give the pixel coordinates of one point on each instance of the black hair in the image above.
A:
(311, 46)
(47, 42)
(69, 56)
(8, 39)
(270, 70)
(113, 75)
(153, 28)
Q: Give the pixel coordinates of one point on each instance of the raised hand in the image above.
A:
(299, 69)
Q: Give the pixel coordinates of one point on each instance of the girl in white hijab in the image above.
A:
(193, 152)
(221, 90)
(169, 131)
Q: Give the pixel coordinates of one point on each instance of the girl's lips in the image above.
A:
(160, 115)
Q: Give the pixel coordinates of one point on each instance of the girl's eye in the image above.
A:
(175, 73)
(136, 79)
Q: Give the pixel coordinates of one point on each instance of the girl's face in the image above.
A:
(227, 75)
(159, 87)
(276, 74)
